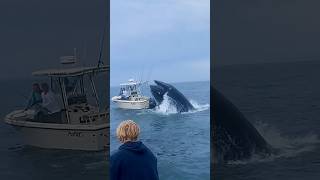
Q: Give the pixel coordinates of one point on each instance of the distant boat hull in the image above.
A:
(129, 104)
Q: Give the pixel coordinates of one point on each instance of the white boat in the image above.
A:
(80, 125)
(130, 96)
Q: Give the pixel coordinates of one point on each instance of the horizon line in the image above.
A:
(173, 82)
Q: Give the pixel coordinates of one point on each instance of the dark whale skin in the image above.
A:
(161, 88)
(233, 136)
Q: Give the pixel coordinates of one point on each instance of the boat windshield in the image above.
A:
(129, 90)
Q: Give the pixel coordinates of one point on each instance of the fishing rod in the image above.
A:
(100, 62)
(106, 22)
(102, 42)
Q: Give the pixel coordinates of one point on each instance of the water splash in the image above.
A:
(198, 107)
(285, 146)
(168, 107)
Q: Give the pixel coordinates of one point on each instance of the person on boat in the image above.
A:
(121, 91)
(35, 98)
(133, 160)
(50, 103)
(125, 93)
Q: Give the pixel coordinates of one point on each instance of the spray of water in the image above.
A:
(285, 146)
(168, 106)
(198, 107)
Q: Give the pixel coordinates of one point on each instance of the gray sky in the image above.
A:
(167, 40)
(35, 33)
(254, 31)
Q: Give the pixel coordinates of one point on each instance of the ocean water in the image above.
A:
(282, 100)
(19, 161)
(181, 142)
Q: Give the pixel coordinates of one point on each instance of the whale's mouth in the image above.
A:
(161, 88)
(158, 92)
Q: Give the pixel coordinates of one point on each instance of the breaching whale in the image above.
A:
(233, 136)
(161, 89)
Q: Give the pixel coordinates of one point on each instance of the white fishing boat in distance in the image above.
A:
(80, 125)
(130, 96)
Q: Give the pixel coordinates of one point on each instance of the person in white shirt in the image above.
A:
(125, 93)
(49, 99)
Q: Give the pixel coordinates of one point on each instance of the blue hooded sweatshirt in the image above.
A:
(133, 161)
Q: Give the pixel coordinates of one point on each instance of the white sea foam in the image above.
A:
(285, 146)
(198, 107)
(168, 106)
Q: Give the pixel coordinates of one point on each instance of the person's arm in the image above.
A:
(38, 99)
(45, 100)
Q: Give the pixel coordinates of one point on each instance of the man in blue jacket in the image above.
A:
(133, 160)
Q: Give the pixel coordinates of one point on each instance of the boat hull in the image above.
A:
(63, 136)
(132, 104)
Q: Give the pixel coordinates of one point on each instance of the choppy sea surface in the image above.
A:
(181, 142)
(19, 161)
(282, 100)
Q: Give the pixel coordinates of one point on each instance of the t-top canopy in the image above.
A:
(77, 71)
(131, 82)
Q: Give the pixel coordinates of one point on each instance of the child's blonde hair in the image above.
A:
(128, 130)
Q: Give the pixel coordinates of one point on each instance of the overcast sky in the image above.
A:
(255, 31)
(35, 33)
(167, 40)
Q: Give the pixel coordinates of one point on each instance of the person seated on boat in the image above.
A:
(50, 111)
(35, 98)
(125, 93)
(50, 103)
(121, 92)
(133, 160)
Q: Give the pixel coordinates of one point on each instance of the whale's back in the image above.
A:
(182, 103)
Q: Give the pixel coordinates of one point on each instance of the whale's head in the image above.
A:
(167, 87)
(159, 90)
